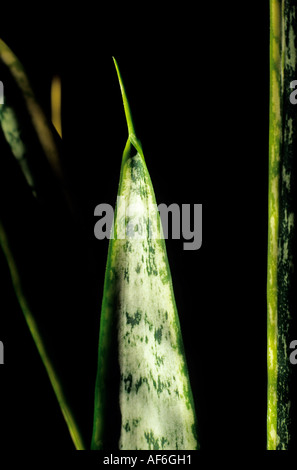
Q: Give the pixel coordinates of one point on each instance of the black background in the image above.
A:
(198, 84)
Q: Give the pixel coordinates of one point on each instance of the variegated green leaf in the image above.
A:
(141, 364)
(281, 223)
(31, 136)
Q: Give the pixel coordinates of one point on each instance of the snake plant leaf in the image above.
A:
(30, 165)
(281, 301)
(30, 272)
(56, 100)
(33, 139)
(143, 397)
(39, 120)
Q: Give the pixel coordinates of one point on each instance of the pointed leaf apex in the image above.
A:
(128, 114)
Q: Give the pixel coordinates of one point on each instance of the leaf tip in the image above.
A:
(125, 101)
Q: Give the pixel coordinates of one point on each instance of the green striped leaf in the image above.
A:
(281, 223)
(143, 397)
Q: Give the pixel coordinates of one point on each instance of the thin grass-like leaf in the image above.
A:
(35, 332)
